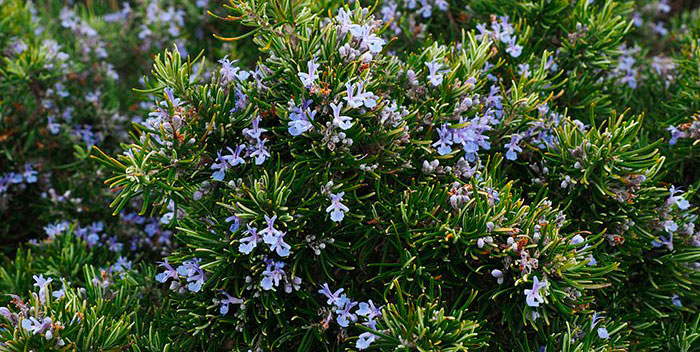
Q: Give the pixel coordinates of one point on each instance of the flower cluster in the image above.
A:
(468, 171)
(346, 311)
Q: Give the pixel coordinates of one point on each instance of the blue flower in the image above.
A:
(664, 242)
(113, 245)
(366, 338)
(122, 264)
(300, 118)
(277, 244)
(513, 48)
(235, 223)
(224, 162)
(260, 153)
(169, 273)
(513, 147)
(53, 127)
(194, 274)
(249, 242)
(57, 228)
(272, 275)
(344, 122)
(333, 297)
(533, 297)
(670, 226)
(42, 283)
(369, 310)
(29, 174)
(228, 299)
(337, 209)
(255, 132)
(307, 79)
(435, 75)
(445, 140)
(345, 316)
(675, 134)
(676, 301)
(602, 331)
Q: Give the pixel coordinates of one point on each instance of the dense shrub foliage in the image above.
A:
(391, 175)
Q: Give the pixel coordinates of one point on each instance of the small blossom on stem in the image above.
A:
(228, 299)
(445, 141)
(344, 122)
(307, 79)
(337, 209)
(169, 273)
(333, 297)
(435, 75)
(249, 242)
(533, 297)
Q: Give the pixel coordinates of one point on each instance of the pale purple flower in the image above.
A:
(664, 242)
(513, 48)
(337, 209)
(498, 274)
(670, 226)
(369, 310)
(235, 223)
(344, 122)
(229, 72)
(578, 239)
(602, 331)
(52, 126)
(221, 164)
(29, 174)
(675, 134)
(366, 338)
(676, 301)
(255, 132)
(194, 274)
(344, 20)
(260, 153)
(533, 297)
(277, 244)
(42, 283)
(300, 119)
(293, 284)
(52, 230)
(333, 297)
(169, 273)
(445, 141)
(368, 40)
(272, 275)
(435, 74)
(681, 202)
(34, 326)
(228, 299)
(355, 100)
(659, 29)
(6, 313)
(513, 148)
(345, 316)
(249, 242)
(270, 230)
(307, 79)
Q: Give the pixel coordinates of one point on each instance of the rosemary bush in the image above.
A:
(397, 175)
